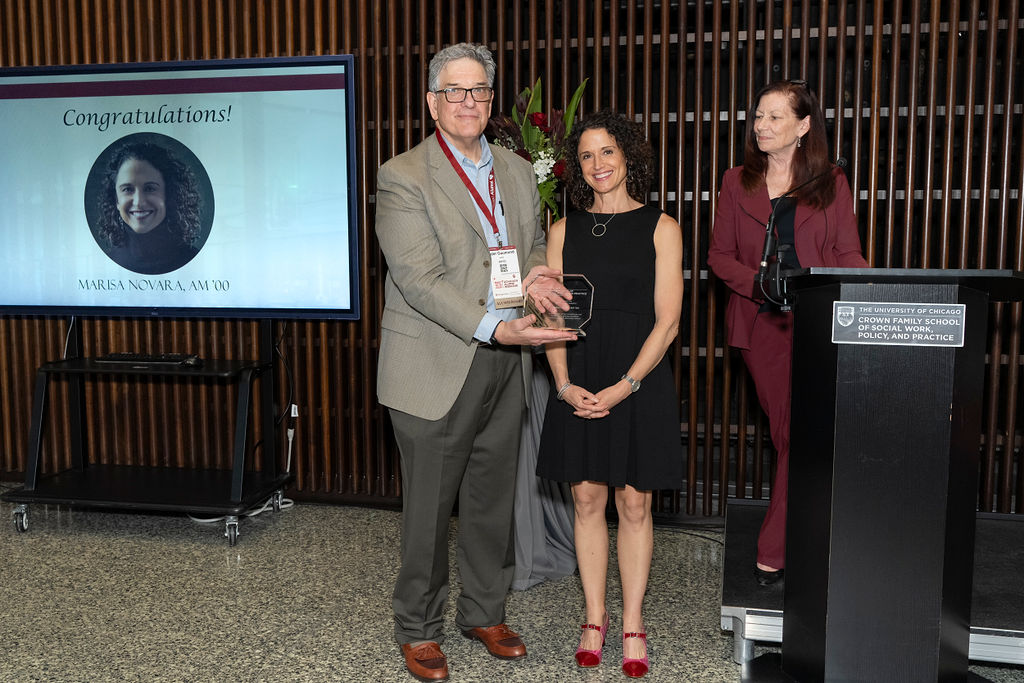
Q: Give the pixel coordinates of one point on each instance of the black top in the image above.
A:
(157, 251)
(785, 213)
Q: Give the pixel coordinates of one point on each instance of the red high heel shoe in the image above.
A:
(632, 667)
(590, 658)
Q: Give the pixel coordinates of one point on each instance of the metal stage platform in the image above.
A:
(754, 613)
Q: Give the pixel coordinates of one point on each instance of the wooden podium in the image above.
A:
(888, 371)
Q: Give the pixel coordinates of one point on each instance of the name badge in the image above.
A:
(506, 282)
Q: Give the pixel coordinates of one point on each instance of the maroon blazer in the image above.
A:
(826, 238)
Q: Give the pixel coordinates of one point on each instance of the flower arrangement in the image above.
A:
(531, 134)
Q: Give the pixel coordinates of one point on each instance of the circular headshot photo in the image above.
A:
(149, 203)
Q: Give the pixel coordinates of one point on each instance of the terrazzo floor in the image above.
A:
(304, 596)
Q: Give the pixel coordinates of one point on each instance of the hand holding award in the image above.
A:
(580, 305)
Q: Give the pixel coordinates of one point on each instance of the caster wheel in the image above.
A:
(231, 530)
(21, 521)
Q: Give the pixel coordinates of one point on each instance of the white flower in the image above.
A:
(543, 164)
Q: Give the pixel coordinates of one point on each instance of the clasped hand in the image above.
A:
(591, 406)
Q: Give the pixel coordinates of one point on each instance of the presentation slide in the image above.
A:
(206, 188)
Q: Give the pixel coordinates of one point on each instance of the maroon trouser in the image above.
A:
(769, 361)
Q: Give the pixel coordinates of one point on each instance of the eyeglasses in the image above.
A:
(456, 95)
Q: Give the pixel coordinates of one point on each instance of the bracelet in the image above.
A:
(634, 384)
(561, 391)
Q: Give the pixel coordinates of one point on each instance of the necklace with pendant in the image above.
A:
(603, 226)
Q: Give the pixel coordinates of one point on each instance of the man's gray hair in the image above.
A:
(478, 53)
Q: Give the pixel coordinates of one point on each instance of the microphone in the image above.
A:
(769, 233)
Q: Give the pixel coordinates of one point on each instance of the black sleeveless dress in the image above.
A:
(638, 442)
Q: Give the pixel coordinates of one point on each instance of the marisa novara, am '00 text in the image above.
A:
(153, 285)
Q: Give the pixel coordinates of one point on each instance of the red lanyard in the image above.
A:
(488, 214)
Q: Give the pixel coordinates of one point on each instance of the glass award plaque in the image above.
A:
(581, 306)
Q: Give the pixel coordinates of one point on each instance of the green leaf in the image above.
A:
(548, 186)
(532, 136)
(574, 103)
(548, 200)
(533, 105)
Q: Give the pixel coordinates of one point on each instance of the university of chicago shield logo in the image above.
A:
(844, 314)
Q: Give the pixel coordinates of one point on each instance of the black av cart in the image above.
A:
(222, 492)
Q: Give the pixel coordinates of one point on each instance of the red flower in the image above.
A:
(559, 168)
(540, 120)
(524, 154)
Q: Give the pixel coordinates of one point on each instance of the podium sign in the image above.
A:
(898, 324)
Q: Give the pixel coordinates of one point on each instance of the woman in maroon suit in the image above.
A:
(786, 168)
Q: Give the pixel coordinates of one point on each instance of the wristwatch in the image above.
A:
(634, 384)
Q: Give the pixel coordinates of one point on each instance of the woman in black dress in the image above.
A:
(602, 429)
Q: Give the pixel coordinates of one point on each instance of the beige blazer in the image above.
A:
(439, 271)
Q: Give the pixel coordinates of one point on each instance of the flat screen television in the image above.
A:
(183, 189)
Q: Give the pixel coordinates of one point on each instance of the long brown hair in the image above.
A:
(809, 159)
(182, 193)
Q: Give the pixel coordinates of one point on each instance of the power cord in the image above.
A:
(293, 409)
(694, 534)
(291, 437)
(290, 389)
(268, 504)
(67, 337)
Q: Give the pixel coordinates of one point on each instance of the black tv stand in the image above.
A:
(224, 492)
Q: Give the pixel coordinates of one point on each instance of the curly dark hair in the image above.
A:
(181, 192)
(636, 150)
(809, 159)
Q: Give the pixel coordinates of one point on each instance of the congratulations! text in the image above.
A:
(164, 114)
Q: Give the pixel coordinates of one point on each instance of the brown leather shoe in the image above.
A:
(426, 662)
(501, 641)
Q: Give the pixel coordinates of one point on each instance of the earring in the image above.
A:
(799, 141)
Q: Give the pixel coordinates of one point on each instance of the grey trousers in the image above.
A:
(472, 452)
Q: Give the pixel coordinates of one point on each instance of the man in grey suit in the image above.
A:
(457, 220)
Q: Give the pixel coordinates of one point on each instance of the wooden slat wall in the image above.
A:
(923, 98)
